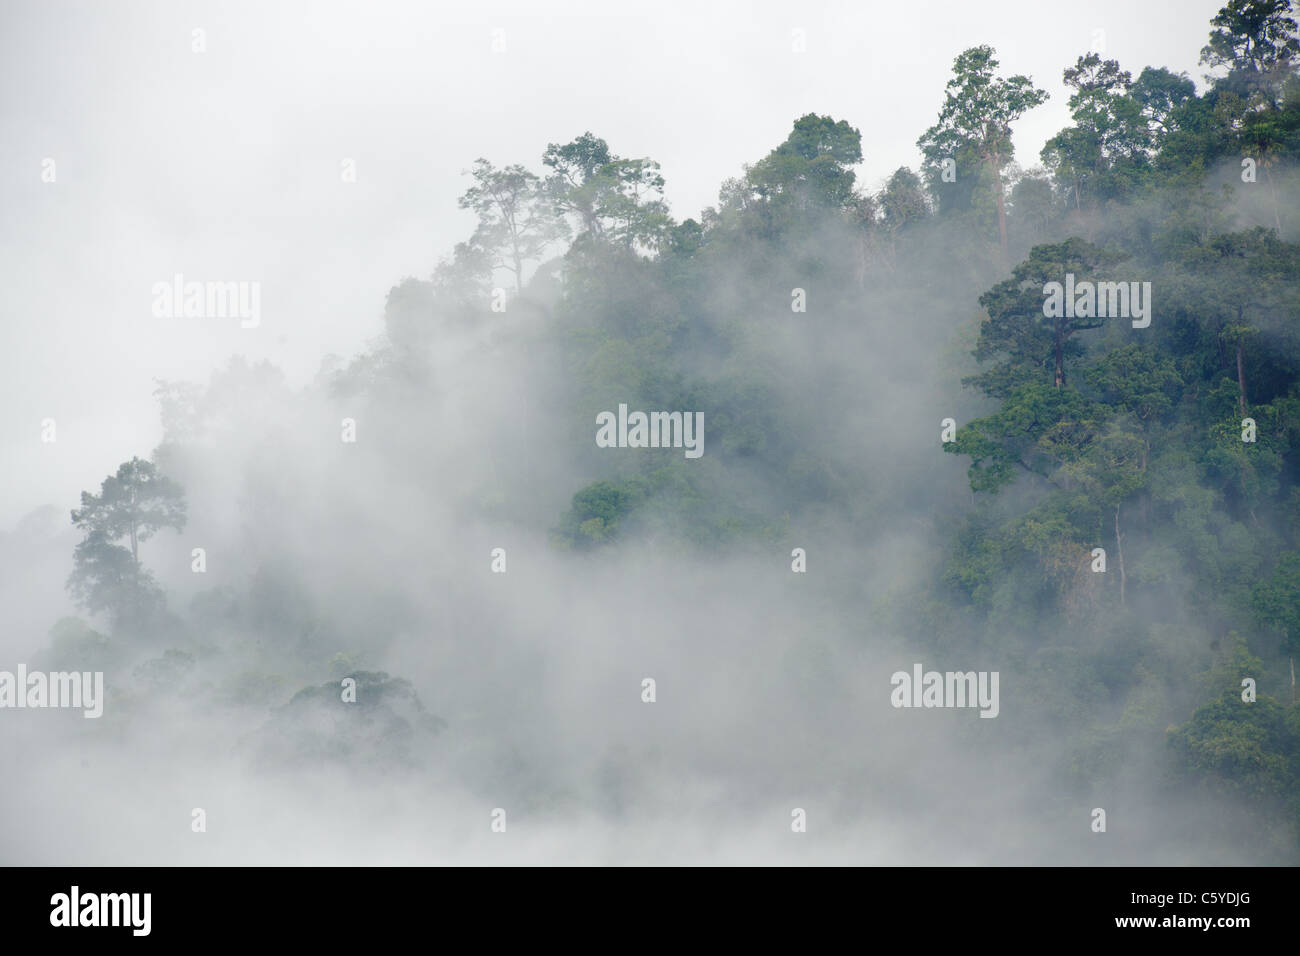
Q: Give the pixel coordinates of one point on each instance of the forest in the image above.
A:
(1035, 415)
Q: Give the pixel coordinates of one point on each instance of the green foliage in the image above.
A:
(1276, 599)
(1256, 42)
(1081, 433)
(1241, 747)
(903, 200)
(384, 727)
(598, 511)
(974, 128)
(978, 109)
(108, 577)
(516, 223)
(134, 504)
(1106, 153)
(813, 167)
(75, 645)
(613, 199)
(1035, 346)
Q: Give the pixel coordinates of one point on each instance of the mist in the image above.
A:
(412, 608)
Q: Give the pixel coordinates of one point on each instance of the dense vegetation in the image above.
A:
(1174, 447)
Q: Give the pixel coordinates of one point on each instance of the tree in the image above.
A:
(1032, 209)
(1243, 750)
(1030, 341)
(515, 223)
(133, 504)
(1276, 604)
(1159, 93)
(1241, 284)
(902, 201)
(1256, 41)
(1107, 144)
(105, 578)
(1112, 469)
(1136, 380)
(1038, 429)
(598, 510)
(812, 167)
(977, 113)
(614, 199)
(899, 204)
(384, 724)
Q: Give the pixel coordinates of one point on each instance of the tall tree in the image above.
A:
(1241, 284)
(614, 199)
(1104, 150)
(1276, 604)
(133, 504)
(1031, 342)
(515, 224)
(1159, 93)
(814, 166)
(1111, 469)
(977, 113)
(902, 201)
(1256, 41)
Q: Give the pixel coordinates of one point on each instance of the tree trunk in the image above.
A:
(1241, 380)
(1060, 355)
(1241, 398)
(1002, 207)
(134, 538)
(1119, 552)
(1276, 220)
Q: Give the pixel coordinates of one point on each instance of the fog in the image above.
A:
(327, 557)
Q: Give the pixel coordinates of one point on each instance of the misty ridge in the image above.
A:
(997, 523)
